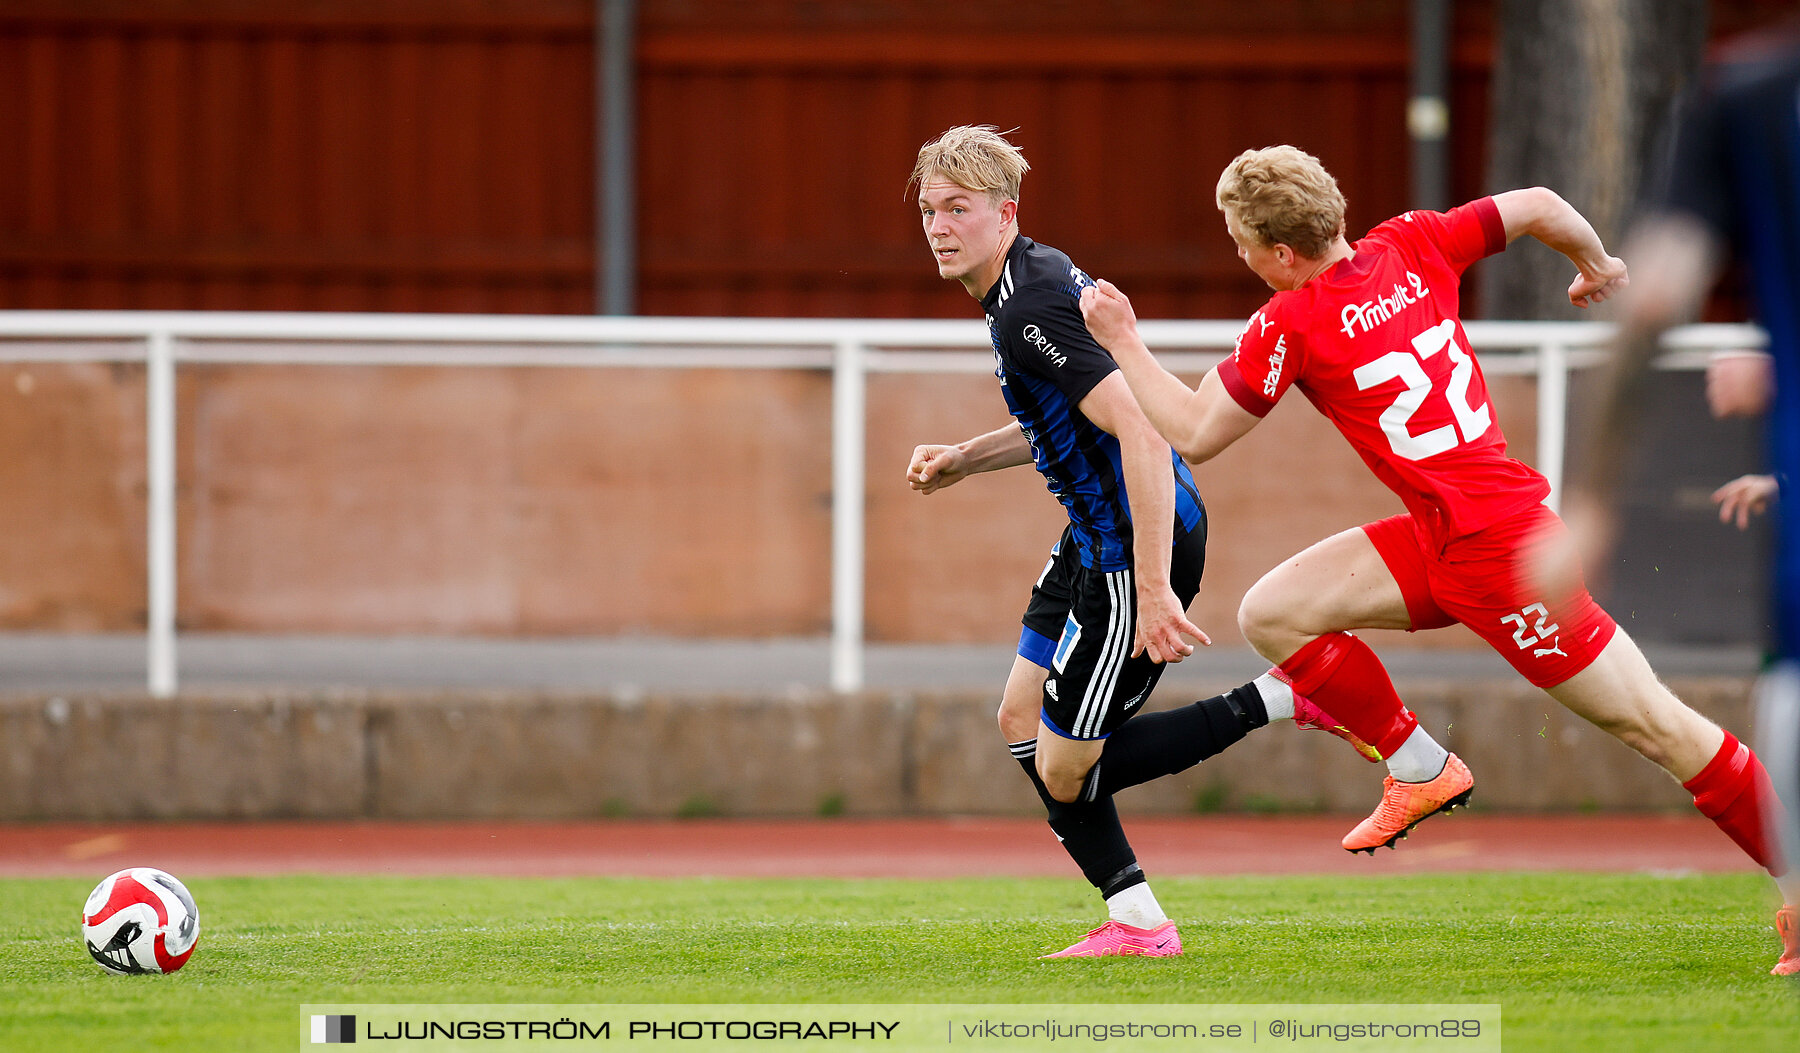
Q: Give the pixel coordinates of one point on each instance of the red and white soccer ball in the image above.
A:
(140, 921)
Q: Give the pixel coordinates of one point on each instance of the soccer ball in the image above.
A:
(140, 921)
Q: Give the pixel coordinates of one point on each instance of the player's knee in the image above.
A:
(1064, 786)
(1018, 716)
(1247, 621)
(1016, 725)
(1260, 619)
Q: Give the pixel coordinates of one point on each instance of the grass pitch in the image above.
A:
(1578, 961)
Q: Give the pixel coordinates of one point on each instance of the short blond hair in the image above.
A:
(974, 157)
(1282, 195)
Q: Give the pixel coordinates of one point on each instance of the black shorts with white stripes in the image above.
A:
(1080, 624)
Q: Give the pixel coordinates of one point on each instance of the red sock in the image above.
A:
(1734, 791)
(1344, 677)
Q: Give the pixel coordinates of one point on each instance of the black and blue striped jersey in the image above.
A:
(1047, 363)
(1736, 167)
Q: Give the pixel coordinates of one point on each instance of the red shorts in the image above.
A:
(1475, 580)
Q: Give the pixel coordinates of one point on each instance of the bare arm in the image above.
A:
(1217, 421)
(1543, 214)
(1150, 487)
(1200, 423)
(934, 467)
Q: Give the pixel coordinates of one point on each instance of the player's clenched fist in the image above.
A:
(935, 467)
(1597, 285)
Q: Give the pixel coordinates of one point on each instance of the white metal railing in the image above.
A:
(849, 349)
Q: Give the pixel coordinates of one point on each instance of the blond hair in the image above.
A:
(1282, 195)
(974, 157)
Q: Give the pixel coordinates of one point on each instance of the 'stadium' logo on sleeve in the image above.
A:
(1277, 358)
(1036, 338)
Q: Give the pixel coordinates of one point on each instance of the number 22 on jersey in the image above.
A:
(1472, 422)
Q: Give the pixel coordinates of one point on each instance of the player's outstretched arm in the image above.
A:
(1150, 489)
(934, 467)
(1199, 423)
(1543, 214)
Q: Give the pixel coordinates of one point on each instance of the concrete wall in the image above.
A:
(396, 756)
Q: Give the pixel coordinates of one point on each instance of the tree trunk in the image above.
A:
(1582, 89)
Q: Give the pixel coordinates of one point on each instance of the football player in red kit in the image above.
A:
(1370, 334)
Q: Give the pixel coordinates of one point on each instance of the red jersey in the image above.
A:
(1377, 345)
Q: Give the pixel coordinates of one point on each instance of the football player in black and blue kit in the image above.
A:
(1109, 609)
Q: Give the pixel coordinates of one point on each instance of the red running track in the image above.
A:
(909, 848)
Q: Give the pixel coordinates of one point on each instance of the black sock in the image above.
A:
(1089, 830)
(1158, 744)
